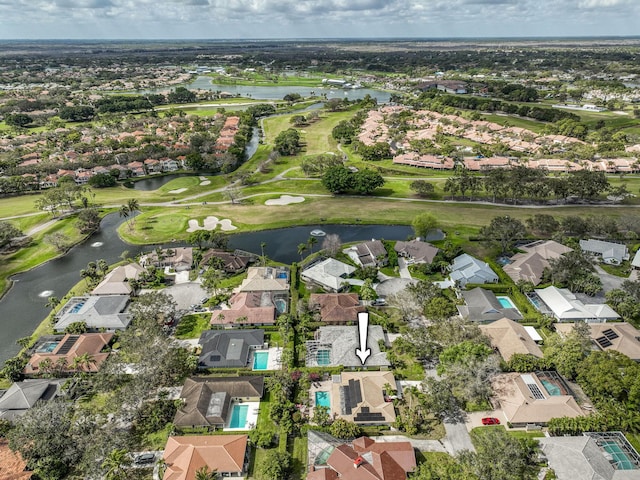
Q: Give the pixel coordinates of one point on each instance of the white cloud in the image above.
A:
(311, 18)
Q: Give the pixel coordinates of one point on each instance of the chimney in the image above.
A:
(357, 462)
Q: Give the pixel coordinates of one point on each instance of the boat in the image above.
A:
(318, 233)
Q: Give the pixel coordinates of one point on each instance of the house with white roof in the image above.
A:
(467, 269)
(611, 253)
(566, 307)
(330, 274)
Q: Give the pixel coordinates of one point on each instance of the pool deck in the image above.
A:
(318, 387)
(273, 362)
(252, 417)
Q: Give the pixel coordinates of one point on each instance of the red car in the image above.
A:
(490, 421)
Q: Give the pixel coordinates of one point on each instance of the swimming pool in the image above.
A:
(260, 360)
(323, 400)
(506, 302)
(77, 307)
(552, 389)
(239, 416)
(281, 305)
(323, 357)
(47, 347)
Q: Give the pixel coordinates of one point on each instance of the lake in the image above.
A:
(278, 92)
(23, 307)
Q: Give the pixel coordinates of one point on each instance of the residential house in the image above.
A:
(368, 254)
(62, 351)
(99, 312)
(12, 465)
(329, 274)
(118, 280)
(529, 266)
(249, 308)
(266, 279)
(336, 345)
(180, 258)
(169, 165)
(510, 338)
(228, 348)
(635, 263)
(483, 306)
(207, 401)
(416, 251)
(227, 455)
(590, 456)
(617, 336)
(21, 396)
(566, 307)
(232, 262)
(366, 459)
(525, 400)
(136, 169)
(610, 253)
(336, 308)
(363, 397)
(467, 269)
(152, 165)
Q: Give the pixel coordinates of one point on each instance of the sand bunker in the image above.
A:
(210, 223)
(179, 190)
(284, 200)
(204, 183)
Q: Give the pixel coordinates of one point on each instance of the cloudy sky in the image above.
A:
(149, 19)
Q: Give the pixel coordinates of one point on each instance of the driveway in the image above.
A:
(403, 268)
(422, 445)
(609, 282)
(186, 294)
(392, 285)
(457, 439)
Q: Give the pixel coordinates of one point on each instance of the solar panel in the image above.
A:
(610, 334)
(347, 400)
(68, 344)
(604, 342)
(536, 392)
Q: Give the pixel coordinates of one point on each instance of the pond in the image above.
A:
(23, 307)
(278, 92)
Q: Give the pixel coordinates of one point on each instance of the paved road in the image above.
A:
(457, 438)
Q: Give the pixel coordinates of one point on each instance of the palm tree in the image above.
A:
(301, 248)
(45, 366)
(205, 474)
(115, 464)
(264, 259)
(124, 212)
(52, 302)
(311, 242)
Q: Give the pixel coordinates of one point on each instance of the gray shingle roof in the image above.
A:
(228, 348)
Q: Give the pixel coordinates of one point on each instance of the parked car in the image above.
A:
(145, 458)
(490, 421)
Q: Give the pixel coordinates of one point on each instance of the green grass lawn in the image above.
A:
(299, 455)
(192, 326)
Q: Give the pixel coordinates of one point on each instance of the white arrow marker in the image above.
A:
(363, 331)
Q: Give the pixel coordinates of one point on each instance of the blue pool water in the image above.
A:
(551, 389)
(260, 360)
(323, 400)
(323, 357)
(239, 416)
(281, 305)
(282, 275)
(506, 302)
(77, 307)
(48, 347)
